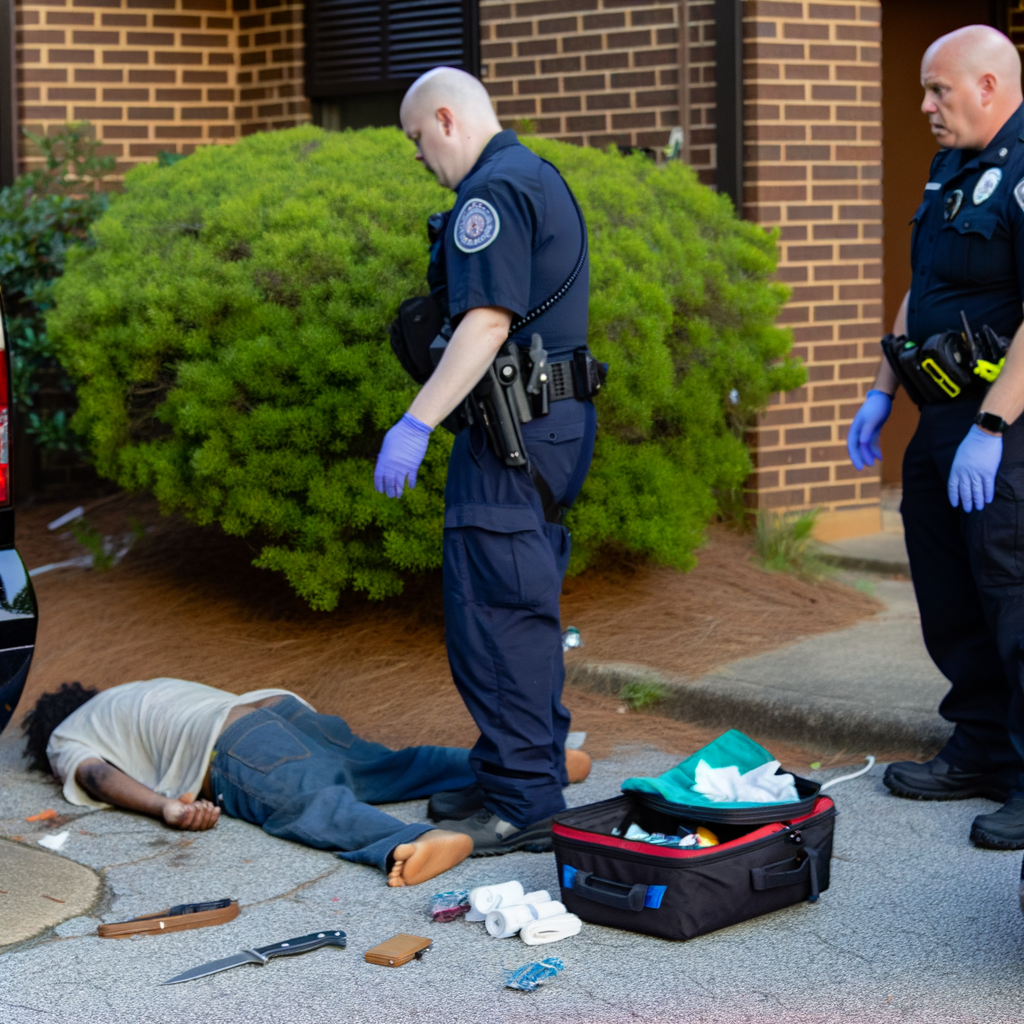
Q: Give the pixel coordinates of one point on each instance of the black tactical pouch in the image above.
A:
(420, 320)
(936, 372)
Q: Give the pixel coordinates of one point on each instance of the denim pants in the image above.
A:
(304, 776)
(503, 569)
(968, 572)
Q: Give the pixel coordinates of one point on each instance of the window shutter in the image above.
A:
(357, 46)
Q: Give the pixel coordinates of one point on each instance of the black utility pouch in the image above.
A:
(680, 893)
(419, 321)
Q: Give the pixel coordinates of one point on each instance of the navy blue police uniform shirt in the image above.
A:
(967, 248)
(512, 239)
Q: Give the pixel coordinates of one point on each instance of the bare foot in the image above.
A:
(431, 854)
(577, 765)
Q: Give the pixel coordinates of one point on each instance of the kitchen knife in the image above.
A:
(260, 955)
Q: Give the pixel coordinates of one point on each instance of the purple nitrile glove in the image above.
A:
(972, 480)
(403, 449)
(862, 440)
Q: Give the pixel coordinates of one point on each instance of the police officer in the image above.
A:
(963, 472)
(509, 243)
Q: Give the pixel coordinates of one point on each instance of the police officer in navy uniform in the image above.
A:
(963, 472)
(510, 241)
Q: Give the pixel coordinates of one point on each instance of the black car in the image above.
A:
(18, 615)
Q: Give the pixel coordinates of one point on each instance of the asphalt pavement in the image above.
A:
(918, 926)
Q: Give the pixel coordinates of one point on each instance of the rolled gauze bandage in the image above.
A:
(550, 929)
(540, 896)
(503, 924)
(485, 898)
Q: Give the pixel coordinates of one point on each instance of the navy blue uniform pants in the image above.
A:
(968, 572)
(304, 776)
(503, 570)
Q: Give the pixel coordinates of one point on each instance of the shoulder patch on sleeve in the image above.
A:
(1018, 193)
(478, 225)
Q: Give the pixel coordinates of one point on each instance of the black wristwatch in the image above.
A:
(990, 421)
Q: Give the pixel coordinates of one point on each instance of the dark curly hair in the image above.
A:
(50, 710)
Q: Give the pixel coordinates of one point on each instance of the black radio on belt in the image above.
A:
(948, 364)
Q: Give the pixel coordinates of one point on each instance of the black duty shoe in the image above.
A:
(455, 804)
(492, 837)
(939, 780)
(1003, 830)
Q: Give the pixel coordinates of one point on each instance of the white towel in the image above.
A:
(485, 898)
(504, 923)
(550, 929)
(758, 786)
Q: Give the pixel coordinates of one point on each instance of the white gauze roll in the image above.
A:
(552, 908)
(503, 924)
(540, 896)
(485, 898)
(550, 929)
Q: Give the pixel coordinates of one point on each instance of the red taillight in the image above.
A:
(5, 432)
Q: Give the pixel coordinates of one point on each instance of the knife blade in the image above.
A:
(261, 954)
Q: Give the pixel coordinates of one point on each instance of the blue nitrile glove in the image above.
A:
(403, 449)
(972, 480)
(862, 440)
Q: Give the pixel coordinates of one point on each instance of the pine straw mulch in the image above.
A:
(186, 602)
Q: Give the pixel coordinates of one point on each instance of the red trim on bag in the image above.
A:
(823, 803)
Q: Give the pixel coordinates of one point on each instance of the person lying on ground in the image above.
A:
(184, 752)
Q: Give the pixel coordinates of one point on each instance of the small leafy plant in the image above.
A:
(784, 543)
(642, 694)
(94, 542)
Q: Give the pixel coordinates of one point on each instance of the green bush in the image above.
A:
(227, 335)
(41, 215)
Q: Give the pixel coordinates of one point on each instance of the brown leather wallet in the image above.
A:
(177, 919)
(398, 950)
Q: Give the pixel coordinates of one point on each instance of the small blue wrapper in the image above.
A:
(446, 906)
(529, 976)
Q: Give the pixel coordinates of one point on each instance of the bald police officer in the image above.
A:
(509, 243)
(963, 472)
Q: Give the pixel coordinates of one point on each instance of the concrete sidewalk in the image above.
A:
(918, 927)
(867, 688)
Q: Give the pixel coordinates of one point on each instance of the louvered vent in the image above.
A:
(372, 45)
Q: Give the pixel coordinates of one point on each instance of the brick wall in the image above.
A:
(592, 72)
(813, 164)
(156, 75)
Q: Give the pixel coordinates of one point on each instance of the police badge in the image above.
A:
(987, 184)
(478, 225)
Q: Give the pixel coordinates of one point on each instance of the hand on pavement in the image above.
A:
(862, 441)
(403, 449)
(972, 480)
(190, 815)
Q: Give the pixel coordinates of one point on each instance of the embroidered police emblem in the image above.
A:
(1018, 193)
(478, 225)
(952, 203)
(987, 184)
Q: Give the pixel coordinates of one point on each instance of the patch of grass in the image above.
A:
(784, 543)
(642, 693)
(92, 540)
(865, 587)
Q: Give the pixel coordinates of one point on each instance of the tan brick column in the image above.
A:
(813, 165)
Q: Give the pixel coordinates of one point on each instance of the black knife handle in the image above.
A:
(304, 944)
(196, 908)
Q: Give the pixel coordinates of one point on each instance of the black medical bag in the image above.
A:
(767, 858)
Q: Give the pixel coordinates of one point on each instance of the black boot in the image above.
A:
(939, 780)
(1003, 830)
(455, 804)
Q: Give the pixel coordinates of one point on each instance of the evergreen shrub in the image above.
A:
(227, 335)
(42, 214)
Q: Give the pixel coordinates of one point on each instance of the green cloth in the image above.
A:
(676, 785)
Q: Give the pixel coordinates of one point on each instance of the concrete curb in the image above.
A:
(823, 723)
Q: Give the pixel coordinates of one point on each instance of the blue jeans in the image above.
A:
(304, 776)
